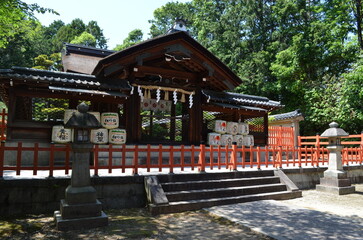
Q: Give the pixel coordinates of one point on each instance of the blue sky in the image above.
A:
(116, 17)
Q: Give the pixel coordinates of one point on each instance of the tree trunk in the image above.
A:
(358, 16)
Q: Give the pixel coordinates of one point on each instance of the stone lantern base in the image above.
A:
(80, 208)
(335, 181)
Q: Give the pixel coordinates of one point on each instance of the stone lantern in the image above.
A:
(80, 208)
(335, 178)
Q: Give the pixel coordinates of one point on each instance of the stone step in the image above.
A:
(226, 192)
(219, 183)
(190, 205)
(212, 176)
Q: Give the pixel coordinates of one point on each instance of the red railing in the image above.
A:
(280, 136)
(351, 140)
(118, 159)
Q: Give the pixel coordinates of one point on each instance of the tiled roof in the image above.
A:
(241, 99)
(63, 78)
(288, 115)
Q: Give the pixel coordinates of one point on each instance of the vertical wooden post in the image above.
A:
(258, 157)
(234, 157)
(280, 157)
(182, 157)
(95, 155)
(2, 151)
(51, 160)
(148, 158)
(201, 158)
(243, 156)
(160, 158)
(171, 159)
(136, 160)
(123, 160)
(35, 159)
(110, 153)
(68, 150)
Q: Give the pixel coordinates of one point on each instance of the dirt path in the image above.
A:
(133, 224)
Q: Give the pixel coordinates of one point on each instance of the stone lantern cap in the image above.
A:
(83, 119)
(334, 131)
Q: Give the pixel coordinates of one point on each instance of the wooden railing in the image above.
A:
(182, 158)
(280, 136)
(351, 140)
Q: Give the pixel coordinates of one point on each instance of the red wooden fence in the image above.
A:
(159, 158)
(280, 136)
(351, 140)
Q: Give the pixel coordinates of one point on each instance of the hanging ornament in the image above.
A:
(146, 94)
(208, 99)
(175, 96)
(190, 100)
(140, 93)
(132, 90)
(158, 95)
(182, 99)
(166, 96)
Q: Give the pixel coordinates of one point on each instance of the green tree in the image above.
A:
(165, 16)
(12, 14)
(93, 28)
(134, 37)
(51, 62)
(85, 39)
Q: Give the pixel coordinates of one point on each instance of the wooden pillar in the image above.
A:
(132, 115)
(196, 118)
(265, 128)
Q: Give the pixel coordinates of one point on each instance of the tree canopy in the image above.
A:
(305, 53)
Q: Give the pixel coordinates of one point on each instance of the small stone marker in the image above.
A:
(335, 179)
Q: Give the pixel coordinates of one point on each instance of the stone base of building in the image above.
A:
(80, 223)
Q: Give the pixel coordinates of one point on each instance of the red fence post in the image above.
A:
(258, 157)
(171, 160)
(234, 156)
(2, 150)
(68, 150)
(51, 160)
(201, 161)
(35, 159)
(95, 154)
(136, 160)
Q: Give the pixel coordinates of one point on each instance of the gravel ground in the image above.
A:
(133, 224)
(139, 224)
(350, 205)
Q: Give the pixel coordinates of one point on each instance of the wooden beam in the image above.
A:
(147, 70)
(211, 108)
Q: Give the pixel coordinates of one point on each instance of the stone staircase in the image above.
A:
(184, 192)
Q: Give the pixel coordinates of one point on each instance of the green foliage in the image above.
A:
(134, 37)
(85, 39)
(294, 51)
(12, 15)
(51, 62)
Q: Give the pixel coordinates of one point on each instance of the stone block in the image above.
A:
(80, 223)
(335, 182)
(79, 195)
(80, 210)
(336, 190)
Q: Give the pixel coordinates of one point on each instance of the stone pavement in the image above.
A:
(314, 216)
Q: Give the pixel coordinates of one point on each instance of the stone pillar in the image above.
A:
(335, 178)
